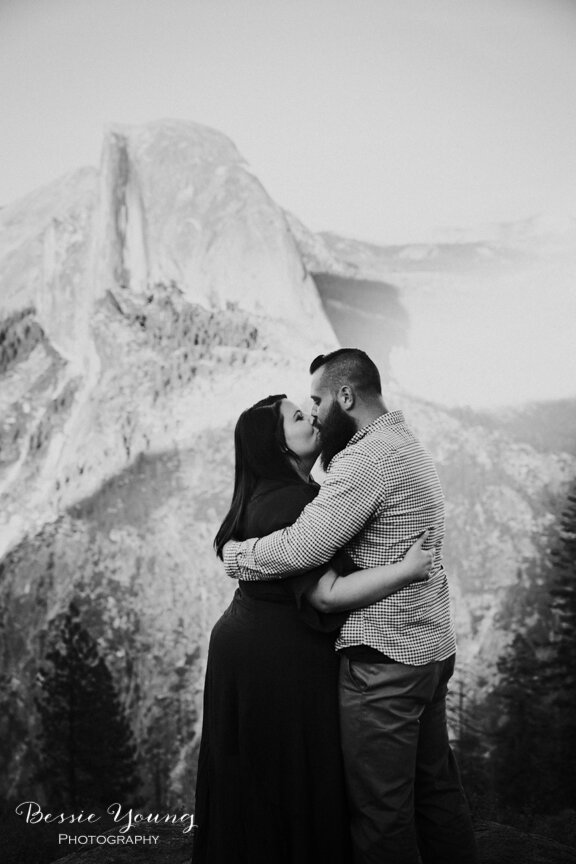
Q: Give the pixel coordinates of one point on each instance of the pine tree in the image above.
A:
(561, 669)
(87, 754)
(535, 754)
(471, 742)
(522, 754)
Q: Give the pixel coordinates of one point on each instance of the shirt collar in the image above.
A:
(389, 418)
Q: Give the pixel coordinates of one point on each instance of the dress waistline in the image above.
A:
(272, 597)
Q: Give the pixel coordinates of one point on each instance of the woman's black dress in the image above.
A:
(270, 786)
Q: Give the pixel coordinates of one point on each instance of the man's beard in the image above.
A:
(335, 433)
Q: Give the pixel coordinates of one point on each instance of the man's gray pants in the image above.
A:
(406, 798)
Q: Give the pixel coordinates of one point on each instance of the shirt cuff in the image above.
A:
(230, 552)
(239, 560)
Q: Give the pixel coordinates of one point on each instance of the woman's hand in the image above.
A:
(418, 561)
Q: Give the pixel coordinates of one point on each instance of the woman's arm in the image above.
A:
(333, 593)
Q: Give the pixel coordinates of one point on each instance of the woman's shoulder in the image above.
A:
(274, 506)
(283, 491)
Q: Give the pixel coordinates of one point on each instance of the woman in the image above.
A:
(270, 786)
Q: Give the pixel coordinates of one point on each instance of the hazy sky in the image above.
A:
(376, 118)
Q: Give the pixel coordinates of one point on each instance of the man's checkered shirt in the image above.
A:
(380, 493)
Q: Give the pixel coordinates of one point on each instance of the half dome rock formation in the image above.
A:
(180, 206)
(122, 288)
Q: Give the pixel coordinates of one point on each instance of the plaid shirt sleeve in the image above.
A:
(349, 496)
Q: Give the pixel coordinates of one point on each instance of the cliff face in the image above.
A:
(142, 307)
(179, 205)
(130, 300)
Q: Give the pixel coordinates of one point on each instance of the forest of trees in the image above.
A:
(517, 748)
(87, 755)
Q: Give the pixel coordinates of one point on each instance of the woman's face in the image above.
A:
(301, 436)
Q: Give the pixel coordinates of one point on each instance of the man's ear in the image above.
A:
(346, 397)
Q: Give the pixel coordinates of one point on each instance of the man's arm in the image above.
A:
(351, 493)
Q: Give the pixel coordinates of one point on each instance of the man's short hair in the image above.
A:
(348, 366)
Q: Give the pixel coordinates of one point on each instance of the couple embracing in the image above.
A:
(324, 737)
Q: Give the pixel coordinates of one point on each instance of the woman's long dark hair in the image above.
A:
(260, 453)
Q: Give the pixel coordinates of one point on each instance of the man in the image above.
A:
(380, 493)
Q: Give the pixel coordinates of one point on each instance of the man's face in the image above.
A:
(321, 397)
(335, 425)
